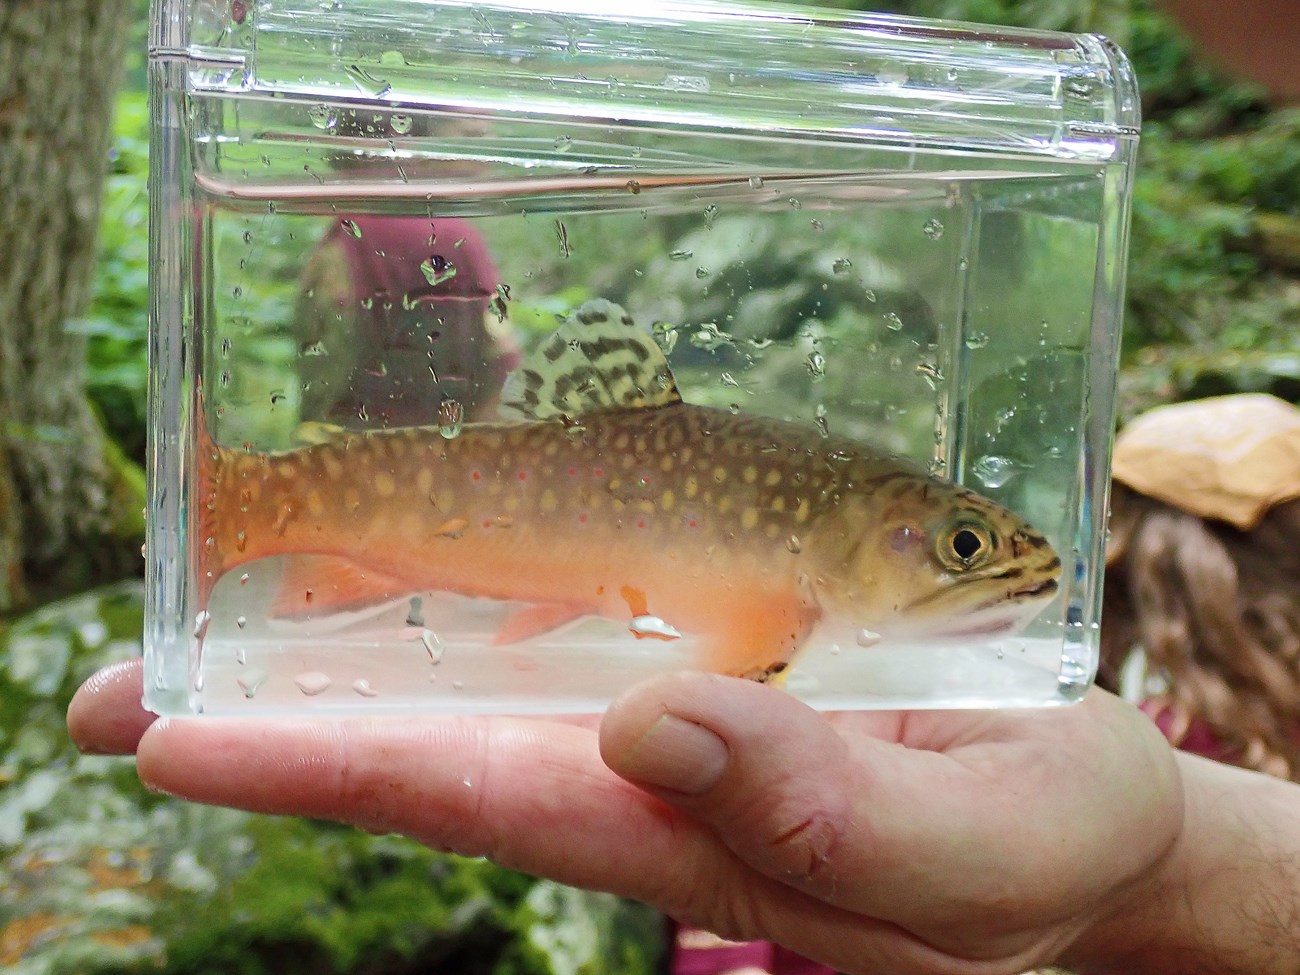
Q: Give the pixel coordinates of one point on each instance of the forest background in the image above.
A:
(96, 876)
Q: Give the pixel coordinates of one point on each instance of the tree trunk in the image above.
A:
(59, 66)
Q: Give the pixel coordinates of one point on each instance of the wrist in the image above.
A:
(1226, 896)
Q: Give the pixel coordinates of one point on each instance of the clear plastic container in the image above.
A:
(838, 303)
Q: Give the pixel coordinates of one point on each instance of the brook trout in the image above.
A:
(612, 497)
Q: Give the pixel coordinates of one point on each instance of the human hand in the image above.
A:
(902, 842)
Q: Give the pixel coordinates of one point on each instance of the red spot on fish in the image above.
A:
(582, 518)
(487, 522)
(598, 472)
(308, 596)
(640, 523)
(476, 475)
(693, 523)
(573, 472)
(523, 475)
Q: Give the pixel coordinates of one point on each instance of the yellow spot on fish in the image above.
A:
(511, 503)
(666, 464)
(719, 473)
(641, 445)
(772, 529)
(549, 501)
(384, 484)
(778, 503)
(750, 473)
(287, 469)
(628, 461)
(724, 503)
(424, 480)
(333, 466)
(685, 455)
(315, 506)
(551, 449)
(444, 500)
(749, 519)
(773, 478)
(801, 513)
(691, 487)
(397, 445)
(621, 441)
(351, 498)
(667, 501)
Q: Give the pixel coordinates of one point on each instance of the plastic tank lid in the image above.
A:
(745, 67)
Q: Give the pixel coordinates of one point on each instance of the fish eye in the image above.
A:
(965, 545)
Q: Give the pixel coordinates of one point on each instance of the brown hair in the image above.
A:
(1217, 612)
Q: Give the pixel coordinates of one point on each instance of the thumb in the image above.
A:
(772, 778)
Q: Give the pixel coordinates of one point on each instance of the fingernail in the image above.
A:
(675, 754)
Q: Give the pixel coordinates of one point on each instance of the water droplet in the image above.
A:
(201, 624)
(894, 76)
(756, 182)
(437, 269)
(930, 372)
(963, 264)
(932, 229)
(795, 204)
(937, 466)
(977, 340)
(952, 74)
(241, 656)
(400, 124)
(709, 337)
(458, 685)
(367, 83)
(994, 471)
(362, 687)
(451, 417)
(841, 266)
(225, 377)
(248, 236)
(564, 143)
(241, 621)
(893, 322)
(350, 226)
(433, 646)
(665, 333)
(817, 225)
(680, 255)
(322, 116)
(701, 273)
(415, 612)
(819, 418)
(236, 292)
(793, 544)
(727, 379)
(869, 295)
(313, 682)
(251, 680)
(816, 365)
(654, 627)
(868, 638)
(243, 579)
(710, 214)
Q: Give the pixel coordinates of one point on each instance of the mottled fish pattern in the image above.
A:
(612, 497)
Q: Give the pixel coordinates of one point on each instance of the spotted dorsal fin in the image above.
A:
(599, 359)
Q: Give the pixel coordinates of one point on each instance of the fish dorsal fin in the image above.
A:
(599, 359)
(312, 433)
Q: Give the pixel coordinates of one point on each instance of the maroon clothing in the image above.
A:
(695, 952)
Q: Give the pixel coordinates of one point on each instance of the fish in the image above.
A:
(602, 493)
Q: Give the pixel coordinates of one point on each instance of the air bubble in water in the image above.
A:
(680, 255)
(868, 638)
(841, 266)
(977, 340)
(313, 682)
(400, 124)
(451, 418)
(654, 627)
(241, 621)
(710, 214)
(701, 273)
(932, 228)
(563, 144)
(756, 182)
(893, 322)
(201, 622)
(350, 226)
(793, 544)
(819, 418)
(816, 365)
(322, 116)
(362, 687)
(994, 471)
(932, 374)
(251, 680)
(432, 646)
(437, 269)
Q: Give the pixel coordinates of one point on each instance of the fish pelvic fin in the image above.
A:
(762, 642)
(330, 584)
(599, 359)
(534, 620)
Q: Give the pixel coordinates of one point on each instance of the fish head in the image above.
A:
(930, 561)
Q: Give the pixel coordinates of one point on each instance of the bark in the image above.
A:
(59, 66)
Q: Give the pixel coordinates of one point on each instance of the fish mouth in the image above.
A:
(1046, 587)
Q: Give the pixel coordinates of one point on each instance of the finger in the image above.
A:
(529, 795)
(105, 716)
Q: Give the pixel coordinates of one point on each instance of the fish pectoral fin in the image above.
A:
(534, 620)
(762, 641)
(328, 584)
